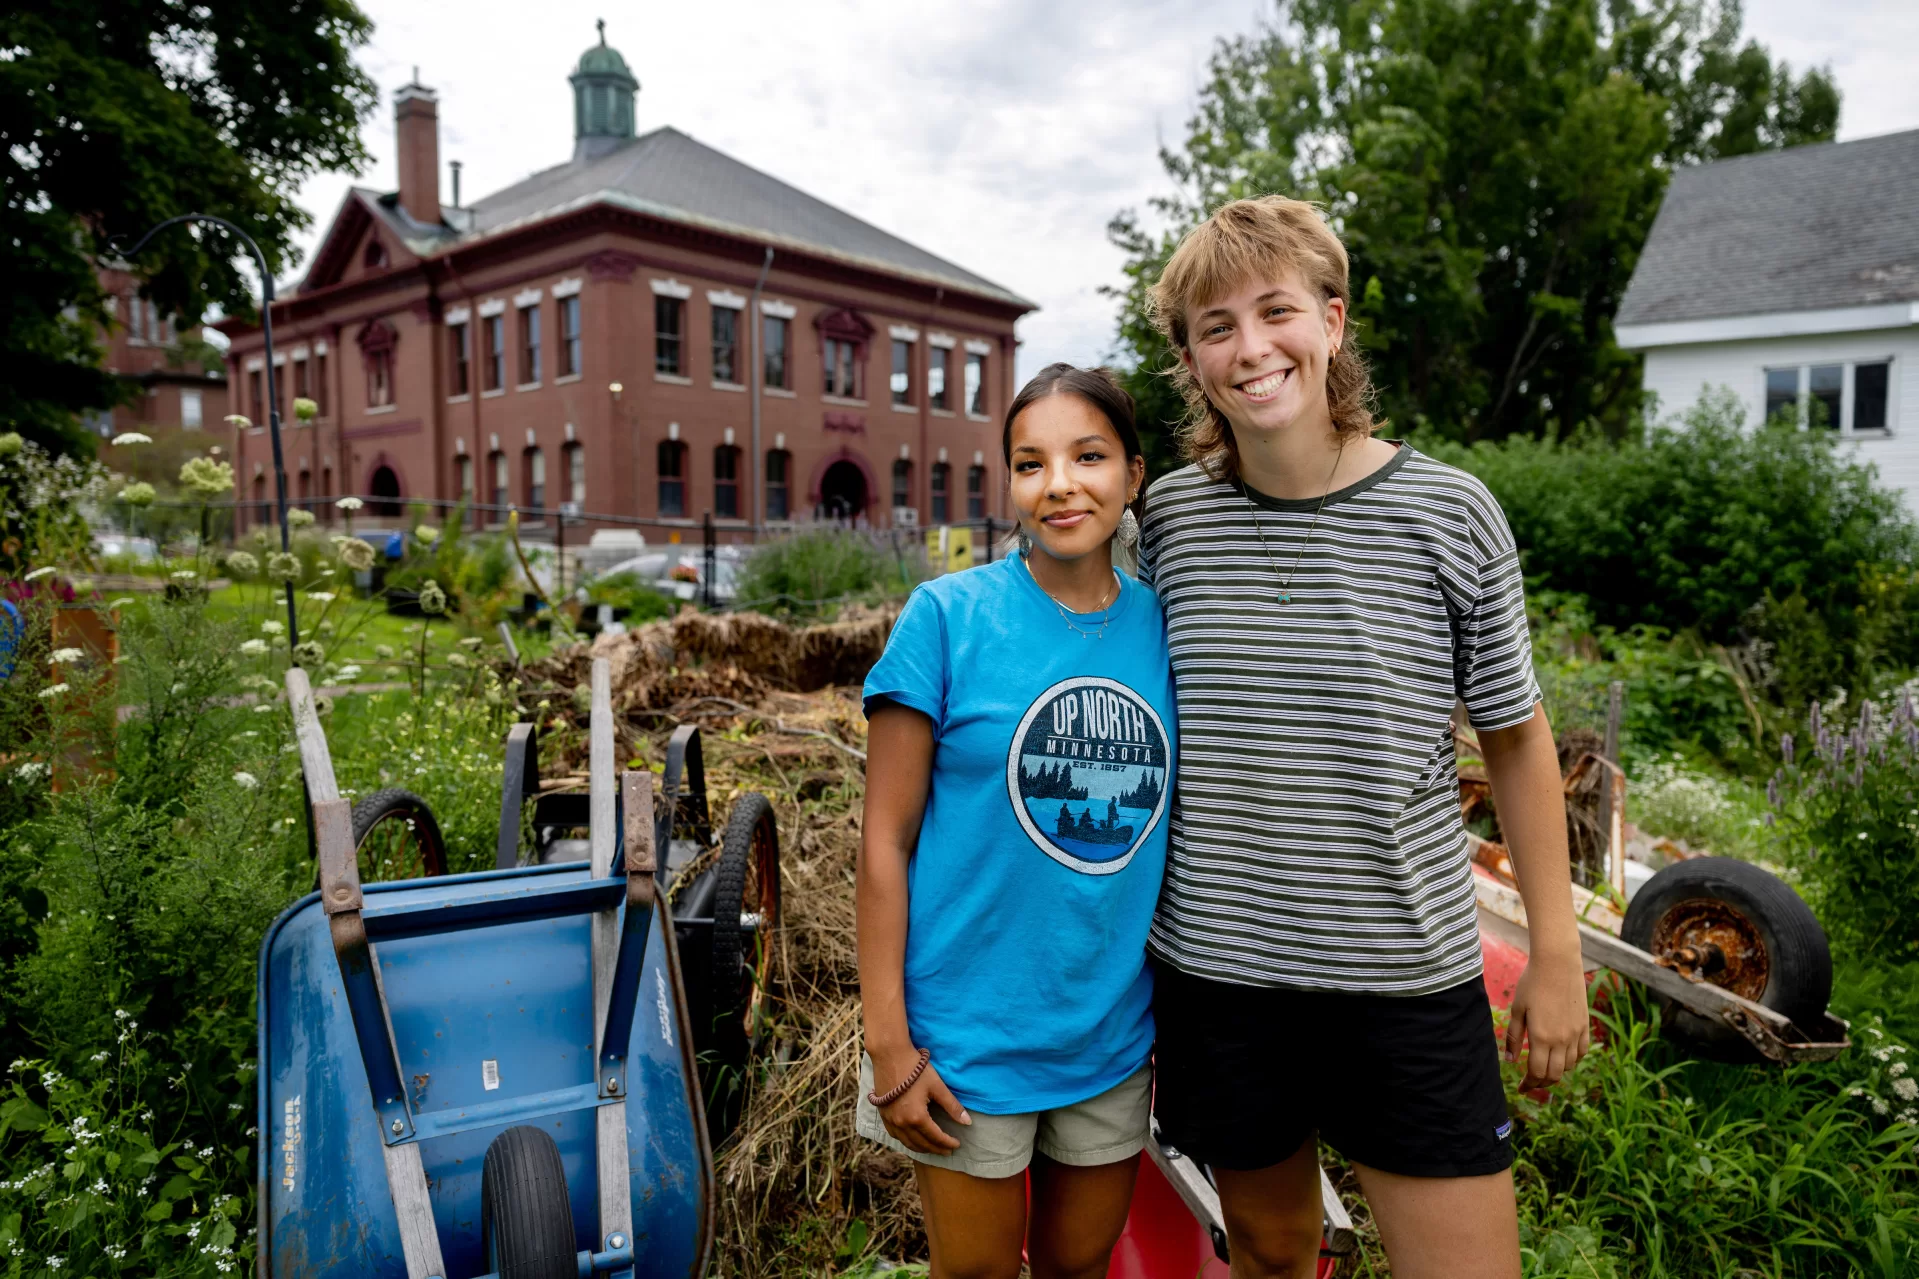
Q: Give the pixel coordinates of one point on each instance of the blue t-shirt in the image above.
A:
(1044, 839)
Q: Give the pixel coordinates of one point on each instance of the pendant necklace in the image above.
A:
(1285, 595)
(1104, 610)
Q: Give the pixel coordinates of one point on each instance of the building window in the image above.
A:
(942, 482)
(667, 314)
(936, 358)
(576, 474)
(303, 488)
(778, 462)
(300, 377)
(726, 482)
(319, 384)
(379, 377)
(499, 497)
(672, 456)
(975, 492)
(256, 402)
(902, 483)
(279, 384)
(1870, 383)
(902, 381)
(842, 368)
(495, 352)
(463, 471)
(773, 338)
(570, 336)
(726, 344)
(529, 344)
(190, 410)
(533, 466)
(459, 339)
(1782, 394)
(976, 384)
(374, 255)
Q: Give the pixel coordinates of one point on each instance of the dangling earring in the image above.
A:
(1128, 531)
(1025, 542)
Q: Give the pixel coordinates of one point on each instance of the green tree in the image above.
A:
(1494, 166)
(115, 116)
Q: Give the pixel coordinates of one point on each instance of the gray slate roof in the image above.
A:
(667, 174)
(1805, 229)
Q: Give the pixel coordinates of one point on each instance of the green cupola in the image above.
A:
(603, 92)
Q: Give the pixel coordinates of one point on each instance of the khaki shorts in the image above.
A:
(1100, 1130)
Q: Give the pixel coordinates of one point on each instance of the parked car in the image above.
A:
(675, 571)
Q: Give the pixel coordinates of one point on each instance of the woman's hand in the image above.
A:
(1549, 1010)
(909, 1117)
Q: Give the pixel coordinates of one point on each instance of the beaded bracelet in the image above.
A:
(882, 1100)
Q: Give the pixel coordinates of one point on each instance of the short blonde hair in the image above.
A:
(1257, 239)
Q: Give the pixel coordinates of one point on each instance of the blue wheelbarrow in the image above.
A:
(485, 1074)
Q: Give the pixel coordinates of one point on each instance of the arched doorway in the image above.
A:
(843, 491)
(384, 484)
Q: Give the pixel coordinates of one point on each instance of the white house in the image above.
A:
(1792, 278)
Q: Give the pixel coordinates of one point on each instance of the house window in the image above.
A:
(726, 344)
(773, 338)
(459, 339)
(529, 344)
(570, 336)
(1870, 382)
(190, 410)
(374, 255)
(902, 381)
(672, 461)
(319, 384)
(778, 461)
(842, 368)
(1782, 394)
(463, 469)
(902, 483)
(975, 492)
(379, 377)
(976, 383)
(136, 317)
(942, 479)
(533, 466)
(667, 314)
(936, 358)
(256, 403)
(576, 474)
(495, 352)
(1827, 384)
(500, 496)
(726, 482)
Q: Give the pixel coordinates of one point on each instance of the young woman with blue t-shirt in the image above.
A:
(1019, 768)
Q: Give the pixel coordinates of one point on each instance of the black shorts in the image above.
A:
(1406, 1084)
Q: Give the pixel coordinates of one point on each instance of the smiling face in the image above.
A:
(1260, 353)
(1071, 478)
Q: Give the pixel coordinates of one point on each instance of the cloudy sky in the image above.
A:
(1001, 134)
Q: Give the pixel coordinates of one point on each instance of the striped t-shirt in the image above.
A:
(1316, 836)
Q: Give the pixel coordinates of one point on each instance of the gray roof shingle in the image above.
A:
(1805, 229)
(667, 174)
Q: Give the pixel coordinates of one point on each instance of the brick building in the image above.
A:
(144, 346)
(651, 329)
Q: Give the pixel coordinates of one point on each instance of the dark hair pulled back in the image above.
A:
(1099, 387)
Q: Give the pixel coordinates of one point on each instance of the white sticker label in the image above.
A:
(490, 1074)
(290, 1140)
(666, 1023)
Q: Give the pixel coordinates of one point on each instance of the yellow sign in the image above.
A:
(948, 550)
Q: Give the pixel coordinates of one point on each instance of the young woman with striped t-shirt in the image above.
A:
(1328, 597)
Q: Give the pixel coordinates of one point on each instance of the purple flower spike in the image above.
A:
(1772, 791)
(1817, 718)
(1785, 747)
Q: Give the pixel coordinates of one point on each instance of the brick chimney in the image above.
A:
(416, 125)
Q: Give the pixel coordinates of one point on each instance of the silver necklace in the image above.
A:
(1285, 595)
(1066, 615)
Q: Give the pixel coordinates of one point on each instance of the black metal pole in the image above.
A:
(273, 399)
(709, 556)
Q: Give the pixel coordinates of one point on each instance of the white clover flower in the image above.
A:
(65, 655)
(254, 648)
(299, 517)
(100, 1186)
(246, 781)
(243, 562)
(184, 575)
(54, 1263)
(140, 494)
(39, 573)
(1896, 1069)
(272, 627)
(323, 597)
(53, 690)
(1906, 1088)
(349, 504)
(132, 437)
(383, 651)
(32, 772)
(1879, 1106)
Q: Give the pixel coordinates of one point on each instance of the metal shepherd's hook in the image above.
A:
(273, 399)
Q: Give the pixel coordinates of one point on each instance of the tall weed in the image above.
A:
(812, 573)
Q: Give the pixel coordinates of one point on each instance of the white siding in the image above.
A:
(1678, 374)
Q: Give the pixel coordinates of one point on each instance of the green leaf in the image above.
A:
(177, 1187)
(22, 1115)
(160, 1211)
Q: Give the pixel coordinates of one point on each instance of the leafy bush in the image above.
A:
(625, 590)
(1721, 815)
(812, 573)
(1697, 524)
(1851, 818)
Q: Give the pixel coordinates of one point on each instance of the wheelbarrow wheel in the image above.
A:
(1745, 930)
(526, 1217)
(397, 837)
(746, 920)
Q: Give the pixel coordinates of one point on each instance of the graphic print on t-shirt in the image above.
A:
(1087, 773)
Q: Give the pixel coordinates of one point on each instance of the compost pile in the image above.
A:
(779, 710)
